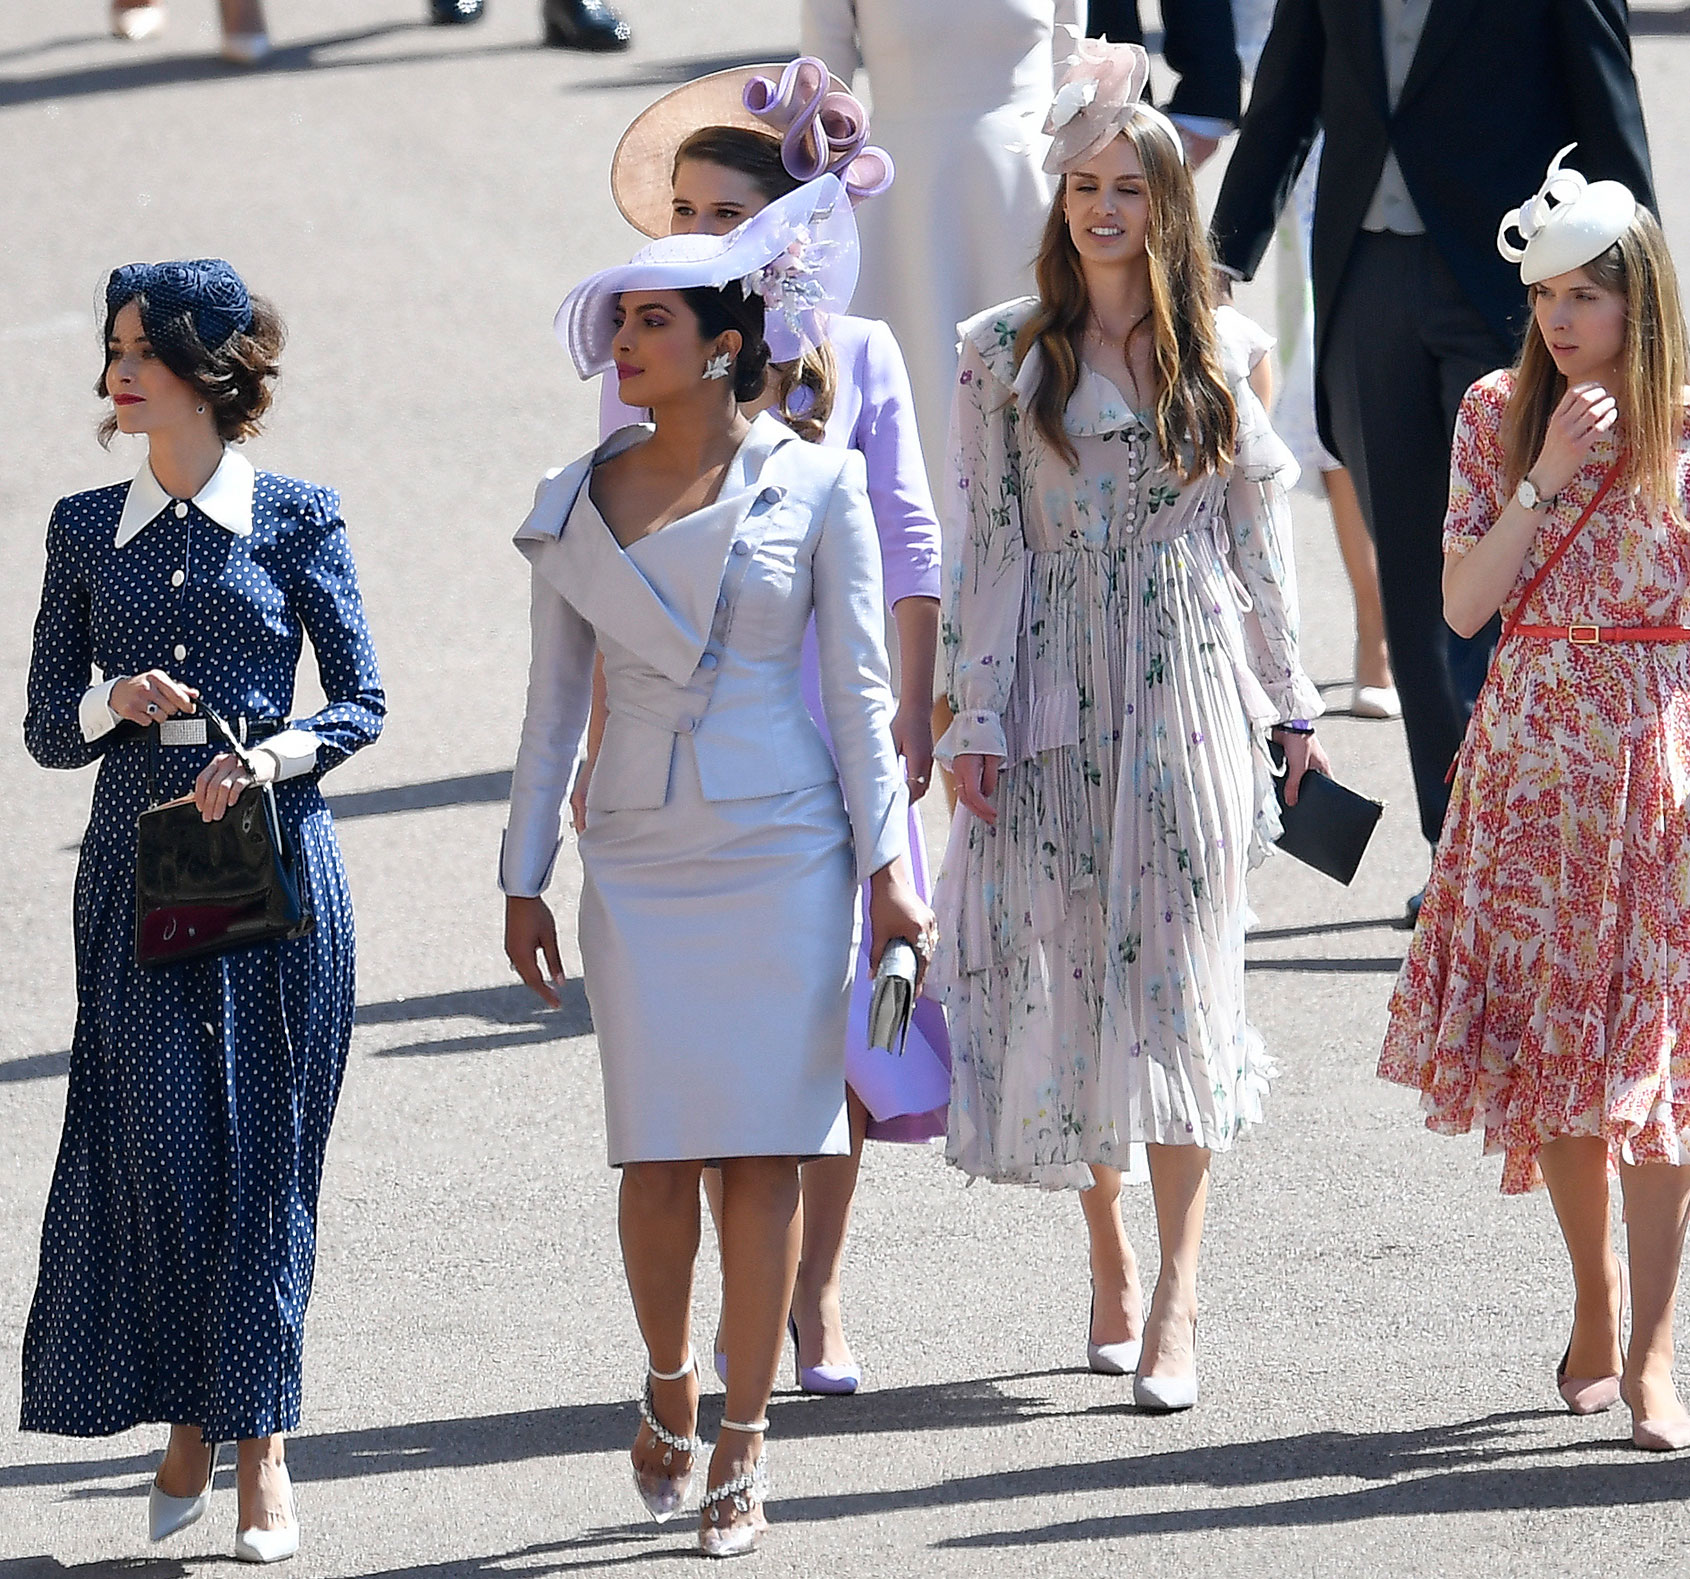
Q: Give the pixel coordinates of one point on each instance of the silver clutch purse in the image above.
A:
(894, 997)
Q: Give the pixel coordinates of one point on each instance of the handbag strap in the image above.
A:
(1609, 478)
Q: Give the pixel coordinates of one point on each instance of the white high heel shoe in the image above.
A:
(1168, 1394)
(1111, 1359)
(271, 1546)
(245, 49)
(167, 1515)
(665, 1498)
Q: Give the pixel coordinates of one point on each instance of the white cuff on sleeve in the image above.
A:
(95, 712)
(295, 751)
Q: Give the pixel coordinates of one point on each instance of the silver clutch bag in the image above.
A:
(893, 999)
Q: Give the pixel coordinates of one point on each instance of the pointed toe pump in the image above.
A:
(1110, 1359)
(664, 1496)
(167, 1515)
(271, 1546)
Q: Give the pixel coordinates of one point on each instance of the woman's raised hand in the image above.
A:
(1586, 412)
(530, 938)
(146, 698)
(976, 782)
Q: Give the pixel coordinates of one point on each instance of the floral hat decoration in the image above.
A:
(1102, 89)
(799, 255)
(1570, 222)
(822, 126)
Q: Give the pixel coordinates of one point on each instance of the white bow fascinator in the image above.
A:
(799, 255)
(1570, 222)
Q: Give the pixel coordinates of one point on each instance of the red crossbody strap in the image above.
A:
(1608, 480)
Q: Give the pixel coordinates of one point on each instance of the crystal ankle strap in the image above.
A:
(672, 1444)
(753, 1428)
(743, 1490)
(686, 1369)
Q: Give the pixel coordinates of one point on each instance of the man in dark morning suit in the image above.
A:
(1440, 116)
(1200, 48)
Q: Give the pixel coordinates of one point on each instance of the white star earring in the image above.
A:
(719, 366)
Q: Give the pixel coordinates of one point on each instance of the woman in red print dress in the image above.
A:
(1546, 995)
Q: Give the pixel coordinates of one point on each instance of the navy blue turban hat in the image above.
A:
(202, 293)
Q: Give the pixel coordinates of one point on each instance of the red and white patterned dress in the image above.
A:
(1547, 989)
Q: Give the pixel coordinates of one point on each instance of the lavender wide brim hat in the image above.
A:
(1568, 223)
(799, 254)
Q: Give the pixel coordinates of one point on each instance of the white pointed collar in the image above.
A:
(226, 498)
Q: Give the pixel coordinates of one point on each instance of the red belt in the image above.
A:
(1594, 635)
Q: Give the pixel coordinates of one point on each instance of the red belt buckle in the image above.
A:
(1584, 635)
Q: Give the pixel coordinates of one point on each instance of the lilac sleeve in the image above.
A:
(886, 435)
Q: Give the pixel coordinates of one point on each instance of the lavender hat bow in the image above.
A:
(207, 290)
(824, 130)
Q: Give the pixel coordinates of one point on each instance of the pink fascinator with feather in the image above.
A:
(1102, 90)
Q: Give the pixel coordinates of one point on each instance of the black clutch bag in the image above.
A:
(1330, 825)
(209, 887)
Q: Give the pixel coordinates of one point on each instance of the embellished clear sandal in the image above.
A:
(665, 1497)
(745, 1494)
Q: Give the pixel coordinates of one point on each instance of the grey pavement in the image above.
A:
(1380, 1327)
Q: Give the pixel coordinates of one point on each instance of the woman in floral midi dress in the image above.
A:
(1119, 639)
(1546, 995)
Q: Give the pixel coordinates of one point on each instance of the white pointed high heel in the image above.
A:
(271, 1546)
(747, 1493)
(665, 1498)
(167, 1515)
(1168, 1394)
(1111, 1359)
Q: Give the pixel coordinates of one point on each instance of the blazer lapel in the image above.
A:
(1362, 23)
(1445, 23)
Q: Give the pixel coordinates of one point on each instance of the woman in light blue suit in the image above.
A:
(720, 860)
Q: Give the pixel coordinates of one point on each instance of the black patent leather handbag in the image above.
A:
(205, 888)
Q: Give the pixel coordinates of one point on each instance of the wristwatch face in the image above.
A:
(1527, 494)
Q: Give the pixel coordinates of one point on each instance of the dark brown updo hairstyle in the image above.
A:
(234, 381)
(804, 390)
(730, 308)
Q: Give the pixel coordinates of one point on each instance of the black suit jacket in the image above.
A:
(1198, 44)
(1496, 88)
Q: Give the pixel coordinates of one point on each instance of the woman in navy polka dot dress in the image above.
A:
(180, 1233)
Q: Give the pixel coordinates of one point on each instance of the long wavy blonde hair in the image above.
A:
(1654, 364)
(1196, 420)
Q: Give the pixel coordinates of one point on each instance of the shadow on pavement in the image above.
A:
(170, 70)
(37, 1066)
(1334, 965)
(513, 1005)
(1644, 23)
(670, 73)
(570, 1429)
(467, 789)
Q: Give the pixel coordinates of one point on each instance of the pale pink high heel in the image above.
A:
(1590, 1395)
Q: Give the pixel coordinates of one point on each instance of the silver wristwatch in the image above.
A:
(1528, 498)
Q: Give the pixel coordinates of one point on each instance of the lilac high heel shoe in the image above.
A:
(829, 1380)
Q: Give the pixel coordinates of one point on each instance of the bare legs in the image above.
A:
(1575, 1167)
(1117, 1305)
(829, 1184)
(1657, 1203)
(1179, 1180)
(1656, 1199)
(260, 1481)
(1361, 565)
(660, 1234)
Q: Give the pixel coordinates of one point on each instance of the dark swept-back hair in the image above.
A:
(718, 310)
(234, 381)
(756, 156)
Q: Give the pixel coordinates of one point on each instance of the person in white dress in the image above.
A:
(1120, 638)
(723, 845)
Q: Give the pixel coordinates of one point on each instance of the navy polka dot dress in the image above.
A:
(180, 1235)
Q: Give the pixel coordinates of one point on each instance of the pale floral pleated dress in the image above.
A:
(1122, 641)
(1547, 989)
